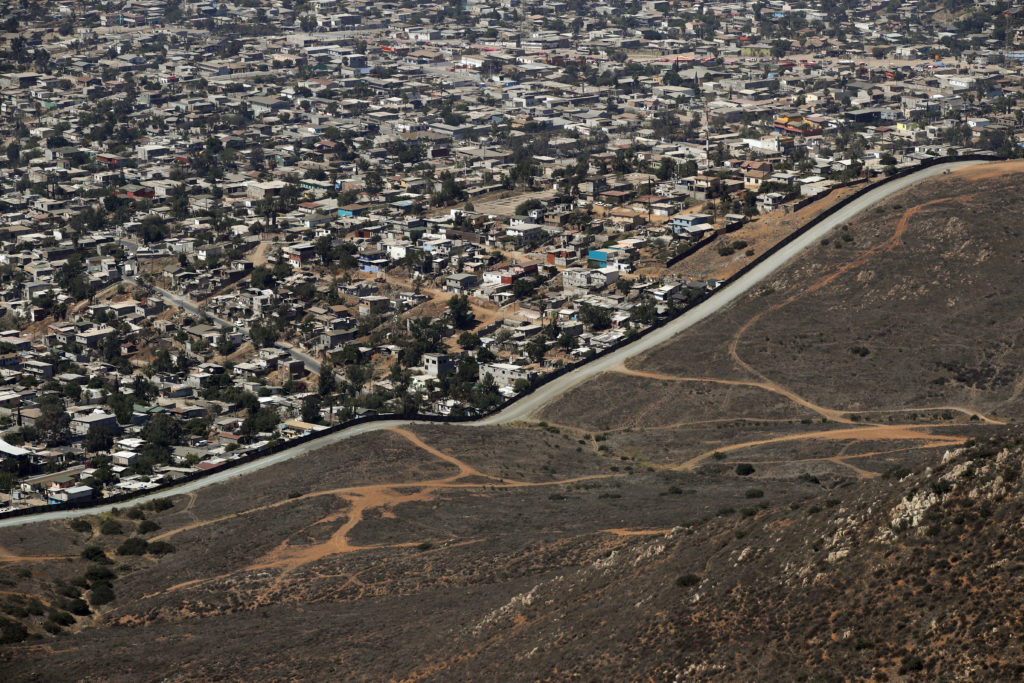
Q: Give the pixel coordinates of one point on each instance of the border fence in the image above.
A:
(271, 449)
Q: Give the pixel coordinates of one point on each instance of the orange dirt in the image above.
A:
(288, 558)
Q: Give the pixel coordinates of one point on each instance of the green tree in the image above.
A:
(311, 409)
(328, 383)
(161, 432)
(461, 312)
(469, 340)
(54, 422)
(324, 249)
(98, 439)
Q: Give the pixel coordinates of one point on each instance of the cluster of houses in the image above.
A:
(206, 200)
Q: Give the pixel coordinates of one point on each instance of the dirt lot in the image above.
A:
(506, 206)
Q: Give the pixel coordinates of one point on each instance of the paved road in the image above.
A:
(532, 404)
(312, 364)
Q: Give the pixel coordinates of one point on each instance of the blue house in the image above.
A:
(691, 223)
(351, 210)
(598, 258)
(373, 261)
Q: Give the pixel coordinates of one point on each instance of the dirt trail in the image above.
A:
(464, 469)
(386, 496)
(869, 433)
(635, 532)
(802, 291)
(840, 416)
(767, 385)
(8, 558)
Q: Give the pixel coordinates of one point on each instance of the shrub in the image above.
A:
(94, 553)
(51, 627)
(896, 473)
(912, 664)
(77, 606)
(160, 548)
(687, 580)
(60, 618)
(16, 611)
(110, 527)
(96, 575)
(101, 594)
(81, 526)
(744, 469)
(159, 505)
(135, 513)
(133, 546)
(69, 591)
(147, 525)
(754, 493)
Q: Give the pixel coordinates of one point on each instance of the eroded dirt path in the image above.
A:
(888, 245)
(767, 385)
(922, 436)
(288, 557)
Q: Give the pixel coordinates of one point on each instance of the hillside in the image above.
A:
(782, 492)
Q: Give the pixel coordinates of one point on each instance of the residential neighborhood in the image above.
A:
(225, 225)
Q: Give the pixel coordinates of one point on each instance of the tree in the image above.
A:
(161, 432)
(133, 546)
(328, 383)
(597, 318)
(536, 349)
(672, 77)
(101, 594)
(98, 439)
(460, 311)
(153, 228)
(358, 375)
(122, 406)
(263, 419)
(666, 168)
(311, 409)
(373, 183)
(54, 422)
(469, 340)
(529, 205)
(263, 334)
(324, 246)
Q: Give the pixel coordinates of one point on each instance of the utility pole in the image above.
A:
(707, 132)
